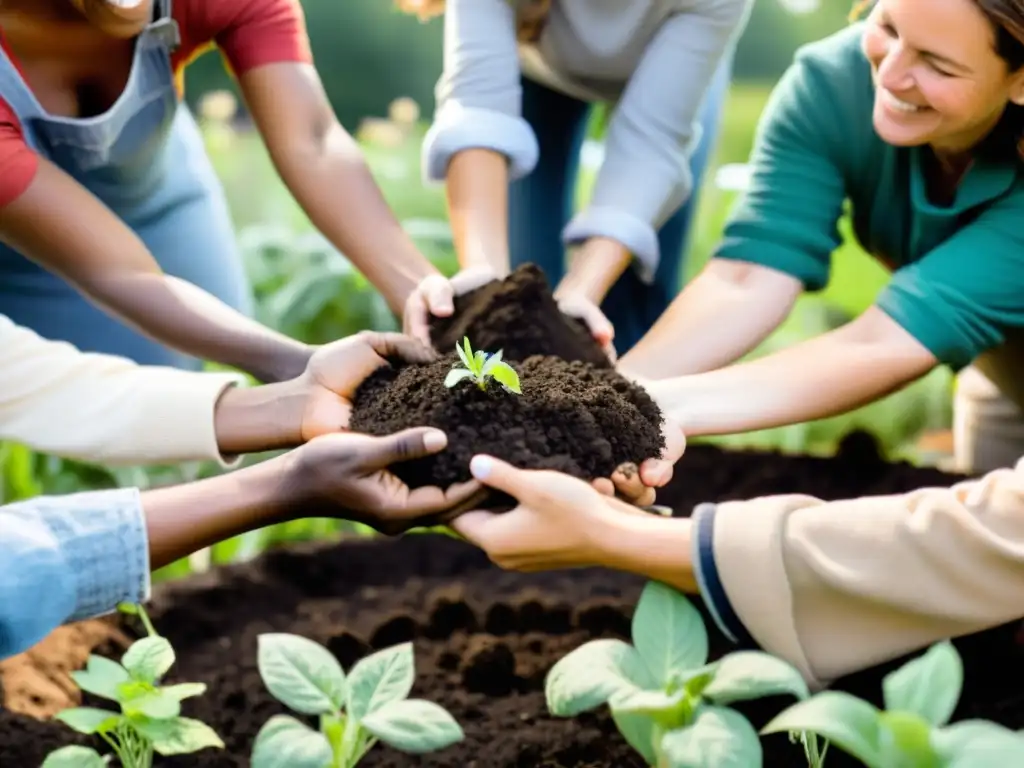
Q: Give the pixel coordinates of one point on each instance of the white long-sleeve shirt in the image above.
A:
(102, 408)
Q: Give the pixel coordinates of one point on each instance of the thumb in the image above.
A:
(472, 526)
(502, 476)
(406, 445)
(439, 295)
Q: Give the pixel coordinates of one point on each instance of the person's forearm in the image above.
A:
(723, 314)
(477, 187)
(651, 546)
(330, 179)
(834, 373)
(267, 418)
(183, 519)
(594, 269)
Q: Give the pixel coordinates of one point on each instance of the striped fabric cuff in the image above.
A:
(708, 581)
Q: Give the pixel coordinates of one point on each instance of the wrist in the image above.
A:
(595, 267)
(648, 545)
(264, 418)
(285, 363)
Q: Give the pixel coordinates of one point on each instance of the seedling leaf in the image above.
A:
(455, 375)
(718, 738)
(88, 720)
(588, 676)
(638, 731)
(284, 742)
(301, 674)
(148, 659)
(157, 705)
(183, 691)
(928, 685)
(414, 726)
(466, 353)
(748, 675)
(379, 679)
(668, 710)
(668, 632)
(905, 739)
(74, 757)
(101, 677)
(971, 743)
(506, 375)
(849, 723)
(479, 361)
(492, 361)
(178, 736)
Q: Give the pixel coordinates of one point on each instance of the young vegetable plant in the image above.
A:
(481, 366)
(355, 712)
(150, 719)
(911, 732)
(668, 703)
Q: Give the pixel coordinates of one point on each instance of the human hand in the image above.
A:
(561, 522)
(347, 476)
(337, 369)
(577, 305)
(435, 295)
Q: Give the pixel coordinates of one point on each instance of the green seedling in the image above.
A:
(355, 712)
(149, 721)
(911, 731)
(668, 703)
(481, 366)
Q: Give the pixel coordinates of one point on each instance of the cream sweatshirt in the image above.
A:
(101, 408)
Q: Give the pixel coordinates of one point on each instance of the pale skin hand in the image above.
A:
(562, 522)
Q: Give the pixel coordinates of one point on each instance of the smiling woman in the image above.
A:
(913, 116)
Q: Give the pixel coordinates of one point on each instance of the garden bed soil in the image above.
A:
(576, 414)
(484, 639)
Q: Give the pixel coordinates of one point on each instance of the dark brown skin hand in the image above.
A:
(343, 476)
(325, 170)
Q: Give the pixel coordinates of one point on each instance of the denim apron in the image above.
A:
(145, 159)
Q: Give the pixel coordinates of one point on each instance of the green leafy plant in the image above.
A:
(355, 712)
(149, 721)
(481, 366)
(911, 732)
(668, 703)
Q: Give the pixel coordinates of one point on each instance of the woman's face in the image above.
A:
(118, 18)
(938, 78)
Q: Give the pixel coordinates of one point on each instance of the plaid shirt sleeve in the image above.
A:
(68, 558)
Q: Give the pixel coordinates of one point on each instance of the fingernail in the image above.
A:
(481, 467)
(435, 440)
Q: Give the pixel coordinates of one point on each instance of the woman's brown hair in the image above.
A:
(530, 14)
(1007, 19)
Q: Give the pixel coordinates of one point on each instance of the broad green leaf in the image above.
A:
(506, 375)
(718, 738)
(178, 736)
(301, 674)
(455, 375)
(380, 678)
(492, 361)
(668, 632)
(849, 723)
(284, 742)
(905, 740)
(638, 731)
(149, 658)
(748, 675)
(978, 743)
(158, 705)
(928, 686)
(88, 720)
(414, 726)
(74, 757)
(183, 691)
(588, 676)
(101, 677)
(668, 710)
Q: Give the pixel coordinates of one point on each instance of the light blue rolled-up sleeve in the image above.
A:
(479, 96)
(68, 558)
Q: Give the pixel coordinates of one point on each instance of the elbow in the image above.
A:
(886, 346)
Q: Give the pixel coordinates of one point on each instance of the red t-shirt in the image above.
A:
(250, 33)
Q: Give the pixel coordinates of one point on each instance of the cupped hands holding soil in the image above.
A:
(575, 413)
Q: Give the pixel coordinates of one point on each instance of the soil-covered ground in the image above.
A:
(484, 639)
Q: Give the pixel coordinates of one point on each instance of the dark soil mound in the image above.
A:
(520, 316)
(570, 417)
(484, 639)
(575, 414)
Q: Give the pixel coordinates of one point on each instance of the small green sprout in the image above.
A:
(150, 719)
(912, 731)
(355, 711)
(667, 701)
(480, 366)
